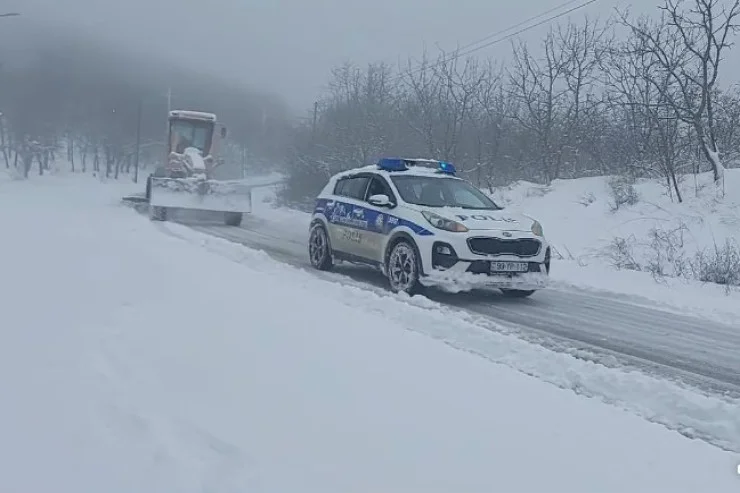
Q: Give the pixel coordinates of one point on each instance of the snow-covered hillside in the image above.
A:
(584, 221)
(144, 357)
(662, 248)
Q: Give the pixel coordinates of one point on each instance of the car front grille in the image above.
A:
(521, 247)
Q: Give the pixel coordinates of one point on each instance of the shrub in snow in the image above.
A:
(537, 191)
(621, 253)
(720, 265)
(587, 199)
(666, 252)
(286, 197)
(664, 255)
(501, 196)
(622, 191)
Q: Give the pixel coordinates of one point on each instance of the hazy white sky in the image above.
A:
(289, 46)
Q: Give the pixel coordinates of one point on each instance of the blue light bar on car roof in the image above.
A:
(392, 164)
(400, 164)
(447, 168)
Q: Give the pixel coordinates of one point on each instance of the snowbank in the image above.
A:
(580, 220)
(133, 359)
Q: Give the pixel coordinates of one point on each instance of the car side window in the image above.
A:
(353, 187)
(378, 186)
(339, 187)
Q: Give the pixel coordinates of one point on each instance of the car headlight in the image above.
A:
(537, 229)
(440, 222)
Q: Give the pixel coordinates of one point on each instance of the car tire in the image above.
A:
(157, 213)
(403, 268)
(319, 248)
(233, 218)
(517, 293)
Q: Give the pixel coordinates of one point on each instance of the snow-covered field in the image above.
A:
(144, 357)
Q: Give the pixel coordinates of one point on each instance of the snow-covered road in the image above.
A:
(595, 326)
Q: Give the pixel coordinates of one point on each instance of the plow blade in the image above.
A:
(205, 195)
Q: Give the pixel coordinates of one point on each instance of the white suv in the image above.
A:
(423, 226)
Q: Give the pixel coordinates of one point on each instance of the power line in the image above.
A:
(459, 54)
(526, 21)
(557, 16)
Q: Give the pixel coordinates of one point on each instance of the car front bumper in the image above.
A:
(451, 263)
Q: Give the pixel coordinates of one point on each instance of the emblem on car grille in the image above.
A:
(507, 234)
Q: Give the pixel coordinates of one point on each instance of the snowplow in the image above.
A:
(187, 179)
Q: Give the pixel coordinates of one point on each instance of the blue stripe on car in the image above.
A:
(363, 218)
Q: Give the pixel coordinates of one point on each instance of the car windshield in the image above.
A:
(191, 134)
(432, 191)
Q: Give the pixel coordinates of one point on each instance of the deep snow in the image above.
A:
(145, 357)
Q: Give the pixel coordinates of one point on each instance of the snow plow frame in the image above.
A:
(200, 194)
(186, 181)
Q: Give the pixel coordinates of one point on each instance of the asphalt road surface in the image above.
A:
(698, 352)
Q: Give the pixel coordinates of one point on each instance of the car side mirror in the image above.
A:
(380, 200)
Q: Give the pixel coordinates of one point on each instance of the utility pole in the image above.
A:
(138, 142)
(315, 116)
(169, 108)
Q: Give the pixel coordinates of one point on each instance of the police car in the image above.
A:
(423, 226)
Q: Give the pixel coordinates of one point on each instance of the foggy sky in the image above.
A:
(290, 46)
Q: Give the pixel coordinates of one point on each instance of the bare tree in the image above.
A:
(421, 88)
(60, 92)
(586, 104)
(490, 120)
(582, 47)
(461, 83)
(538, 87)
(642, 92)
(688, 45)
(4, 144)
(727, 128)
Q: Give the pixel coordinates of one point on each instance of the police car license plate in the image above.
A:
(498, 267)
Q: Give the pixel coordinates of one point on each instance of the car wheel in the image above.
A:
(233, 218)
(517, 293)
(319, 251)
(157, 213)
(402, 268)
(148, 189)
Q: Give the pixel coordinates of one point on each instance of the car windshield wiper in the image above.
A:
(429, 205)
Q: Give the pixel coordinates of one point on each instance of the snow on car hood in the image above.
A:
(501, 220)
